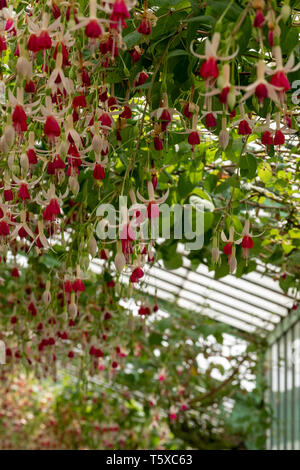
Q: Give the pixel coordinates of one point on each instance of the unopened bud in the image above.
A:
(120, 261)
(9, 135)
(24, 162)
(231, 99)
(285, 12)
(74, 185)
(97, 143)
(223, 139)
(93, 248)
(24, 68)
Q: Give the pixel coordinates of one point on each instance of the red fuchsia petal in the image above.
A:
(8, 195)
(22, 233)
(2, 43)
(79, 101)
(136, 275)
(93, 29)
(19, 119)
(32, 158)
(126, 114)
(112, 103)
(32, 44)
(15, 272)
(119, 14)
(279, 138)
(135, 55)
(98, 173)
(288, 121)
(194, 138)
(105, 120)
(244, 128)
(224, 94)
(210, 121)
(233, 114)
(44, 41)
(55, 10)
(145, 27)
(4, 228)
(154, 181)
(51, 128)
(29, 87)
(271, 38)
(141, 79)
(209, 69)
(23, 192)
(188, 114)
(68, 287)
(85, 77)
(261, 92)
(228, 249)
(58, 164)
(64, 51)
(78, 285)
(158, 144)
(267, 139)
(51, 211)
(247, 242)
(259, 19)
(279, 79)
(165, 116)
(31, 308)
(153, 210)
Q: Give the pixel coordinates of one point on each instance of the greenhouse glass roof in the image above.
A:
(253, 303)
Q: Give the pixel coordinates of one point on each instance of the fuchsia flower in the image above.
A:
(145, 27)
(93, 29)
(244, 128)
(2, 43)
(141, 78)
(23, 193)
(210, 121)
(51, 128)
(152, 202)
(136, 275)
(119, 14)
(19, 119)
(98, 173)
(209, 69)
(267, 138)
(51, 211)
(261, 87)
(259, 18)
(194, 139)
(279, 75)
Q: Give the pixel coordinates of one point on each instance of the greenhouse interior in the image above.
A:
(149, 225)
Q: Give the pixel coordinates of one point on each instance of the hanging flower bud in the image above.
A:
(93, 247)
(215, 250)
(120, 261)
(224, 135)
(46, 294)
